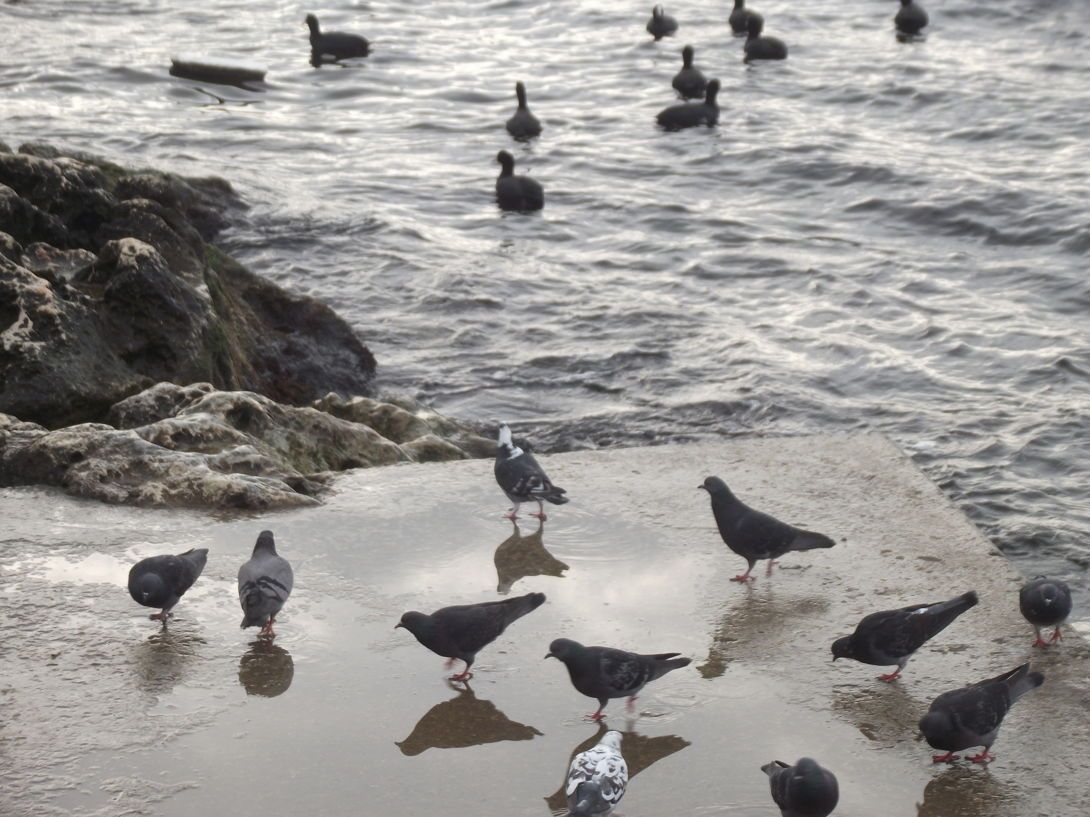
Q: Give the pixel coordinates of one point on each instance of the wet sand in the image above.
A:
(104, 712)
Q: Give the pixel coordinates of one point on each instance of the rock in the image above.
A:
(430, 448)
(157, 302)
(157, 403)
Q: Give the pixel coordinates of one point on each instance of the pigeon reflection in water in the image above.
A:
(463, 721)
(640, 752)
(963, 790)
(266, 669)
(520, 556)
(165, 658)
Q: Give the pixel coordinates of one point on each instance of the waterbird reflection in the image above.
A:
(639, 751)
(266, 669)
(883, 713)
(463, 721)
(755, 616)
(966, 791)
(520, 556)
(164, 659)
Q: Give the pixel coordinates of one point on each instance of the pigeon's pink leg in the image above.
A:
(449, 663)
(949, 757)
(1056, 636)
(631, 703)
(1038, 641)
(540, 512)
(771, 562)
(163, 616)
(983, 757)
(893, 676)
(267, 630)
(513, 514)
(595, 716)
(744, 577)
(465, 675)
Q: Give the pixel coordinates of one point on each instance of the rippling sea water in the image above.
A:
(879, 235)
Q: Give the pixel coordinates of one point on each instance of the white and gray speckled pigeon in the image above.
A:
(522, 479)
(161, 581)
(264, 584)
(1045, 603)
(802, 790)
(970, 716)
(604, 673)
(754, 535)
(461, 631)
(597, 778)
(892, 636)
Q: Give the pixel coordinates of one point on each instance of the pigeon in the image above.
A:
(910, 17)
(462, 631)
(522, 479)
(892, 636)
(739, 17)
(161, 581)
(604, 673)
(802, 790)
(689, 81)
(519, 193)
(758, 47)
(1045, 603)
(523, 124)
(335, 44)
(661, 24)
(597, 778)
(971, 716)
(692, 114)
(754, 535)
(264, 584)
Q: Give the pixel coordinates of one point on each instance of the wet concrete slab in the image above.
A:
(103, 712)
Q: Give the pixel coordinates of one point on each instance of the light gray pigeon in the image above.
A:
(264, 584)
(970, 716)
(802, 790)
(522, 479)
(161, 581)
(597, 778)
(1045, 603)
(754, 535)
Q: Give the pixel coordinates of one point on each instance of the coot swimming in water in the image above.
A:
(661, 24)
(762, 48)
(335, 44)
(691, 114)
(523, 124)
(910, 17)
(689, 82)
(513, 192)
(739, 17)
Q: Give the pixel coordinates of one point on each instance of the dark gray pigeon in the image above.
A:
(460, 632)
(597, 778)
(161, 581)
(522, 479)
(754, 535)
(604, 673)
(1045, 603)
(264, 584)
(802, 790)
(970, 716)
(892, 636)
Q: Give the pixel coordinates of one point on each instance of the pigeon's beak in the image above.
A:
(548, 655)
(701, 488)
(398, 625)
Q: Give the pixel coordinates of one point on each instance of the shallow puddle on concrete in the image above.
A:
(107, 713)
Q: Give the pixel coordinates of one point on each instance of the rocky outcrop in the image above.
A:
(194, 446)
(108, 285)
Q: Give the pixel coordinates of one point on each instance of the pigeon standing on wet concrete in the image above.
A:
(892, 636)
(264, 584)
(802, 790)
(597, 778)
(161, 581)
(1045, 603)
(971, 716)
(754, 535)
(460, 632)
(522, 479)
(604, 673)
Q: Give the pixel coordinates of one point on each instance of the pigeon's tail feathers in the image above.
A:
(556, 497)
(809, 540)
(518, 607)
(942, 615)
(198, 557)
(587, 799)
(1021, 681)
(773, 767)
(666, 662)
